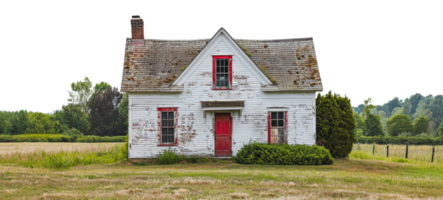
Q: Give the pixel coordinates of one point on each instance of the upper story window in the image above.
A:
(222, 72)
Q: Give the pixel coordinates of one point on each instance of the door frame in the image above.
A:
(215, 134)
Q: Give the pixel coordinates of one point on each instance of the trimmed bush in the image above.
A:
(91, 138)
(401, 140)
(283, 154)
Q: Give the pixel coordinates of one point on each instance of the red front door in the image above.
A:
(223, 134)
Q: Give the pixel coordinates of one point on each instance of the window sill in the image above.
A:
(167, 145)
(221, 89)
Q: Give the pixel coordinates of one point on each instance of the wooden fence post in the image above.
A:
(387, 151)
(373, 149)
(407, 148)
(433, 151)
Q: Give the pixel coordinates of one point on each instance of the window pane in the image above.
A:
(164, 115)
(227, 80)
(164, 134)
(281, 135)
(273, 115)
(273, 123)
(281, 123)
(164, 123)
(218, 63)
(280, 115)
(226, 63)
(170, 115)
(164, 139)
(217, 80)
(171, 123)
(171, 139)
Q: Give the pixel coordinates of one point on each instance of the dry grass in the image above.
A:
(422, 153)
(346, 179)
(31, 147)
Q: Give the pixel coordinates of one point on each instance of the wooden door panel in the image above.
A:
(223, 135)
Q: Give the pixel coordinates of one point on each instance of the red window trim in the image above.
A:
(214, 71)
(160, 110)
(269, 126)
(166, 109)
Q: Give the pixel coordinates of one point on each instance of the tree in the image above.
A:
(82, 91)
(407, 107)
(415, 99)
(440, 130)
(359, 122)
(72, 117)
(367, 107)
(421, 124)
(398, 124)
(373, 125)
(123, 109)
(40, 123)
(335, 124)
(19, 122)
(104, 113)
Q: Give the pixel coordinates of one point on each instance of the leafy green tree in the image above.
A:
(40, 123)
(123, 109)
(421, 124)
(80, 93)
(19, 122)
(440, 130)
(335, 124)
(398, 124)
(367, 107)
(415, 99)
(104, 113)
(72, 116)
(98, 89)
(397, 110)
(373, 125)
(359, 122)
(407, 106)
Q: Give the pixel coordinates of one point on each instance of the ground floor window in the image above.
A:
(167, 125)
(277, 127)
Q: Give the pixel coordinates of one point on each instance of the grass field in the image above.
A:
(360, 177)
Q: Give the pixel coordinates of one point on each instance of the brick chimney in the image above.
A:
(137, 30)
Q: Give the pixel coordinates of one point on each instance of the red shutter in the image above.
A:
(213, 72)
(175, 128)
(269, 127)
(286, 127)
(230, 72)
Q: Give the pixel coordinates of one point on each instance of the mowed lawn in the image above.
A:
(346, 179)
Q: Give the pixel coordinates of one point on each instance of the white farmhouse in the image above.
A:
(209, 97)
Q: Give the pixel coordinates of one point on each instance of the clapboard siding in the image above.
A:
(250, 126)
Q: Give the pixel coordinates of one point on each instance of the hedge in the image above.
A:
(58, 138)
(101, 139)
(283, 154)
(401, 140)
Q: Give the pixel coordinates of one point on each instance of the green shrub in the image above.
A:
(170, 157)
(192, 159)
(283, 154)
(123, 153)
(90, 139)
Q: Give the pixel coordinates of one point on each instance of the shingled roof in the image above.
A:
(155, 64)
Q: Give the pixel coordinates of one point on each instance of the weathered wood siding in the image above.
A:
(195, 135)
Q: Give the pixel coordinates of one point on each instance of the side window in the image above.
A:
(167, 126)
(277, 127)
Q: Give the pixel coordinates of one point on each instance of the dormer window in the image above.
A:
(222, 72)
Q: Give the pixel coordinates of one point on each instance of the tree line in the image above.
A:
(100, 110)
(417, 115)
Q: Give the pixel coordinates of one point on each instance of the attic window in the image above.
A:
(222, 72)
